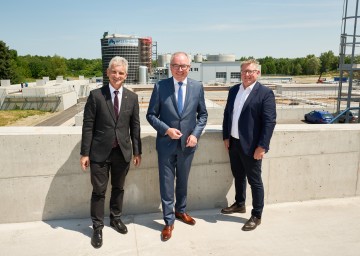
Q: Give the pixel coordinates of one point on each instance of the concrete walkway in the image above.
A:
(323, 227)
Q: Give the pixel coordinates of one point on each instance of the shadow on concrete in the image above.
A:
(68, 196)
(69, 193)
(217, 217)
(82, 226)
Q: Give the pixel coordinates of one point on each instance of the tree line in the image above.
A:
(20, 68)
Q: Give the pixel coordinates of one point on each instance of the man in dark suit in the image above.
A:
(178, 113)
(110, 136)
(248, 125)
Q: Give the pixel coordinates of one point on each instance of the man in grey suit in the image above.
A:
(178, 113)
(111, 122)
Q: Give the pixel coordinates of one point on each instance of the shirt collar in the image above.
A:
(184, 82)
(250, 87)
(112, 89)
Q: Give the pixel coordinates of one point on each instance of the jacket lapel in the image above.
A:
(107, 96)
(187, 95)
(172, 92)
(251, 96)
(233, 97)
(124, 101)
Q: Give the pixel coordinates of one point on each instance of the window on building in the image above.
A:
(235, 75)
(196, 69)
(220, 74)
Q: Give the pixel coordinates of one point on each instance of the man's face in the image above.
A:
(117, 75)
(249, 74)
(180, 67)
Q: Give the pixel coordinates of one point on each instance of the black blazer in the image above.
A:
(100, 126)
(257, 118)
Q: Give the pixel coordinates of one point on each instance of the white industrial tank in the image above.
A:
(142, 74)
(163, 59)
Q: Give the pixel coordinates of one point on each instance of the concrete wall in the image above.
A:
(41, 179)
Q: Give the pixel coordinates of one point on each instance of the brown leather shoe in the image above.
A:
(166, 232)
(235, 207)
(251, 224)
(186, 218)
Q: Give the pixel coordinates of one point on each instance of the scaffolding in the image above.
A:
(146, 53)
(349, 54)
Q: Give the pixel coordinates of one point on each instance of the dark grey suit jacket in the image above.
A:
(100, 126)
(163, 114)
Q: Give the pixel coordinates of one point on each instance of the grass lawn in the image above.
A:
(9, 116)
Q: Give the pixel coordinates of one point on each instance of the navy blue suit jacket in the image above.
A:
(257, 119)
(163, 114)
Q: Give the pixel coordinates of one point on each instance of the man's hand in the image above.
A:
(259, 153)
(173, 133)
(227, 144)
(191, 141)
(137, 160)
(84, 162)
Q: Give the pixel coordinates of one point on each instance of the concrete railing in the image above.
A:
(41, 179)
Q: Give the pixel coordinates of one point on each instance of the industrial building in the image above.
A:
(221, 68)
(136, 50)
(210, 69)
(214, 69)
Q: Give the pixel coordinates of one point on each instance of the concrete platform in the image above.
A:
(321, 227)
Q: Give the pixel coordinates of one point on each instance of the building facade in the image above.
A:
(136, 50)
(216, 72)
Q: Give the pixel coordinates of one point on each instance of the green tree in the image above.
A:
(268, 65)
(283, 66)
(297, 69)
(312, 65)
(57, 67)
(5, 61)
(37, 66)
(329, 62)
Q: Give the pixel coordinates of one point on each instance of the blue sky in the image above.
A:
(258, 28)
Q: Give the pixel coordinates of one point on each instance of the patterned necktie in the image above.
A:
(116, 110)
(180, 98)
(116, 104)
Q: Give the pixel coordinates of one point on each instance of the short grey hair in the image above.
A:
(180, 53)
(119, 61)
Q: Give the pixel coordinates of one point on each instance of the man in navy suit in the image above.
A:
(248, 125)
(110, 136)
(178, 113)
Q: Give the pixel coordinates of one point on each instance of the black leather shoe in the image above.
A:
(251, 224)
(97, 239)
(235, 207)
(118, 225)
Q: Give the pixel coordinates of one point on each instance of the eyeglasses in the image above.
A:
(250, 72)
(177, 66)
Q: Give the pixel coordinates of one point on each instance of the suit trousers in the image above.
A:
(117, 168)
(175, 165)
(246, 167)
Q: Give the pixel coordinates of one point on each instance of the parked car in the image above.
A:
(318, 117)
(342, 118)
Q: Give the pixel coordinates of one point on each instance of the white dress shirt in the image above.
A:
(113, 95)
(176, 85)
(240, 99)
